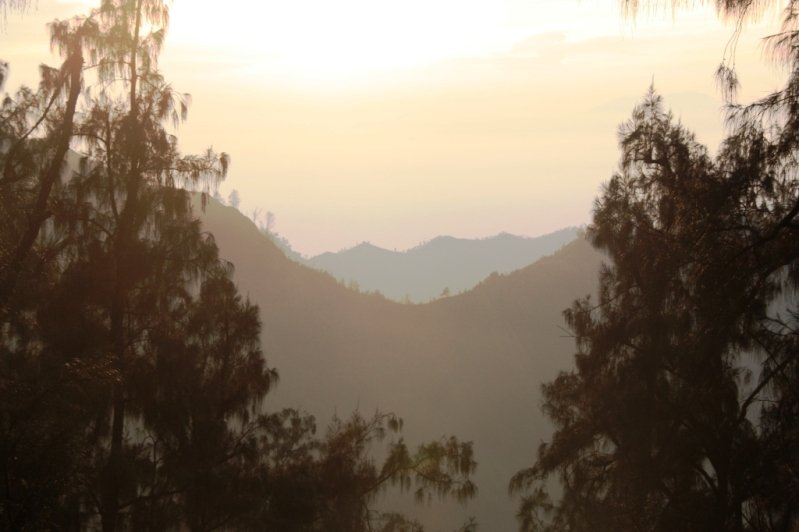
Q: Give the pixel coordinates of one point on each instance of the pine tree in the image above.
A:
(132, 383)
(680, 412)
(676, 416)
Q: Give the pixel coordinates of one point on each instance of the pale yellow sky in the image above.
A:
(394, 122)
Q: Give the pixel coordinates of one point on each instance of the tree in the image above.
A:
(18, 241)
(666, 423)
(679, 414)
(119, 226)
(132, 383)
(332, 483)
(233, 199)
(11, 5)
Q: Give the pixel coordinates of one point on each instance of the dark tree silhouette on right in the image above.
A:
(682, 410)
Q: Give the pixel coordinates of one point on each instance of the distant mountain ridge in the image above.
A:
(470, 365)
(445, 265)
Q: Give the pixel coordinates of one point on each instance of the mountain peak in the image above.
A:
(445, 264)
(454, 363)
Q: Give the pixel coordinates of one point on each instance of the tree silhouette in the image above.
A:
(669, 420)
(132, 383)
(332, 483)
(11, 5)
(68, 79)
(680, 412)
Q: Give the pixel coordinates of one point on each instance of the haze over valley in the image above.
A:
(467, 364)
(420, 266)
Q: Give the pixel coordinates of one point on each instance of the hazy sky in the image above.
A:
(394, 122)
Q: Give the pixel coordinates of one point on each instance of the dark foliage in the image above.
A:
(132, 382)
(679, 414)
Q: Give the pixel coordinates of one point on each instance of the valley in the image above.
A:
(470, 365)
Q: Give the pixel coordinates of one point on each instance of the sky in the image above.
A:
(394, 122)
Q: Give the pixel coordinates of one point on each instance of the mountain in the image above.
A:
(469, 365)
(443, 265)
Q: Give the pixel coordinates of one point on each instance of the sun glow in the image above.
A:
(343, 41)
(350, 40)
(324, 40)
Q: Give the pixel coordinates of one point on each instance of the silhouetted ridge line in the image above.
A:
(470, 364)
(442, 266)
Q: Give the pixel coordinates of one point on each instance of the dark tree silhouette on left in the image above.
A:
(132, 383)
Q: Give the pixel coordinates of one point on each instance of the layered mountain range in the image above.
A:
(443, 266)
(471, 364)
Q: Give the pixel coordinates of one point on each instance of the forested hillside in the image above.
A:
(469, 364)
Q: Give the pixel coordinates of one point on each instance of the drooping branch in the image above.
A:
(40, 212)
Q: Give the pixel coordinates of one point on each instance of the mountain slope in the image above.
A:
(444, 263)
(469, 365)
